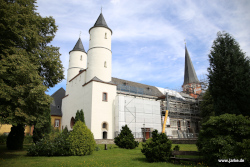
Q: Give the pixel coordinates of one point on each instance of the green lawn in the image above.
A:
(112, 157)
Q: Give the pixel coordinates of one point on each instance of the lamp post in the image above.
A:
(144, 137)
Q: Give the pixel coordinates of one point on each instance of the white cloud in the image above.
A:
(148, 38)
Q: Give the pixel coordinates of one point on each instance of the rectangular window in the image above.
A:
(57, 122)
(104, 96)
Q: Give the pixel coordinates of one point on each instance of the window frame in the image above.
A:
(104, 99)
(57, 120)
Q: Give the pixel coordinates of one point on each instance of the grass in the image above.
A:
(111, 157)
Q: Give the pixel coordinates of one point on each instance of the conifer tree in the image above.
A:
(229, 76)
(126, 139)
(28, 65)
(79, 116)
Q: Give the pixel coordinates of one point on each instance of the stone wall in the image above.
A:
(174, 141)
(111, 141)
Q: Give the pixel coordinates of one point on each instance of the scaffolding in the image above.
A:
(141, 115)
(184, 114)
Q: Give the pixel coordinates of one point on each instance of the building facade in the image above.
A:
(109, 103)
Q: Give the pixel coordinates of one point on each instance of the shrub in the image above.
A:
(3, 138)
(225, 137)
(54, 144)
(176, 148)
(28, 139)
(126, 139)
(81, 140)
(15, 138)
(158, 149)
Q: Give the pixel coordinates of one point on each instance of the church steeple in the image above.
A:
(78, 46)
(100, 22)
(189, 72)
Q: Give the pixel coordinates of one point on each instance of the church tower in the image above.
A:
(191, 83)
(99, 53)
(77, 60)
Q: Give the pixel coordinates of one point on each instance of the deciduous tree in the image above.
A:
(28, 64)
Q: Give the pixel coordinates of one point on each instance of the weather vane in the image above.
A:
(101, 9)
(185, 41)
(80, 34)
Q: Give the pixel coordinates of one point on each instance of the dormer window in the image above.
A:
(125, 83)
(58, 107)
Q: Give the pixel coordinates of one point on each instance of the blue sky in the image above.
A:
(148, 35)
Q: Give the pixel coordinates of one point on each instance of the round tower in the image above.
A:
(77, 60)
(99, 53)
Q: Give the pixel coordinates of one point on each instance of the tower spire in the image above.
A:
(189, 72)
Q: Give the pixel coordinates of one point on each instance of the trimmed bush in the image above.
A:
(157, 149)
(126, 139)
(15, 138)
(81, 140)
(54, 144)
(225, 137)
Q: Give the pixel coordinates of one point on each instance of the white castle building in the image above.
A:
(110, 103)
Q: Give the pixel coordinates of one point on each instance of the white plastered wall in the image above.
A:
(99, 54)
(102, 111)
(77, 62)
(79, 97)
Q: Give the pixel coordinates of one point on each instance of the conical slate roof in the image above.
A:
(189, 73)
(78, 46)
(100, 22)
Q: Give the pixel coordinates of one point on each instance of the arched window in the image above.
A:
(104, 125)
(72, 122)
(105, 64)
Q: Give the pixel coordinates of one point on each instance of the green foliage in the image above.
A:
(80, 116)
(126, 139)
(81, 140)
(42, 126)
(176, 148)
(54, 144)
(206, 106)
(3, 138)
(15, 138)
(28, 65)
(225, 137)
(158, 149)
(229, 76)
(97, 148)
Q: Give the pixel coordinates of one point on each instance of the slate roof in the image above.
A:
(100, 22)
(189, 72)
(57, 101)
(78, 46)
(136, 88)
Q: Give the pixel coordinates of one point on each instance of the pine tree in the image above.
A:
(28, 66)
(229, 76)
(126, 139)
